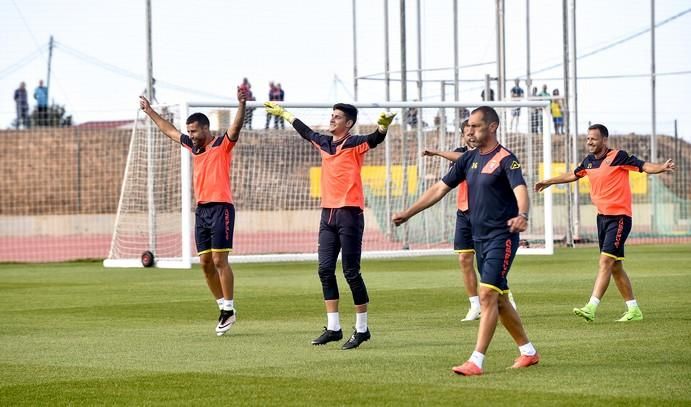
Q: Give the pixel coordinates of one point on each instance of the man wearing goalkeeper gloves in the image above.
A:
(215, 213)
(342, 219)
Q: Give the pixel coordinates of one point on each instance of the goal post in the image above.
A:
(154, 211)
(276, 182)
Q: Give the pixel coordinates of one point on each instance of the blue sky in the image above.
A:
(203, 49)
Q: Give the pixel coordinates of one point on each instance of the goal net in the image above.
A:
(276, 182)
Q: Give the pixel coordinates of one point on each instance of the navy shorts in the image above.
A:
(612, 231)
(214, 224)
(494, 257)
(463, 238)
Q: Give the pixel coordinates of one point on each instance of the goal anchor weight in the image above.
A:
(148, 259)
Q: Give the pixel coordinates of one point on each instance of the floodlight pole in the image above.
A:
(150, 136)
(456, 90)
(565, 115)
(574, 137)
(387, 142)
(404, 111)
(501, 67)
(653, 135)
(51, 44)
(355, 78)
(501, 52)
(528, 80)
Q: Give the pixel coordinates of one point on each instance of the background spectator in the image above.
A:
(41, 96)
(535, 115)
(21, 101)
(246, 87)
(516, 93)
(557, 114)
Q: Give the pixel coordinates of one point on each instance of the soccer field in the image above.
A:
(75, 333)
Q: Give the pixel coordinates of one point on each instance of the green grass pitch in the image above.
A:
(79, 334)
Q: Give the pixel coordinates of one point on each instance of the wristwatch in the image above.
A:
(524, 214)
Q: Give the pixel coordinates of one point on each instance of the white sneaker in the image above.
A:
(472, 315)
(513, 303)
(226, 320)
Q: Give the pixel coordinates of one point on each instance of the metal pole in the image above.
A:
(50, 61)
(501, 68)
(653, 135)
(150, 136)
(420, 136)
(487, 88)
(419, 133)
(404, 98)
(442, 147)
(387, 141)
(387, 69)
(355, 84)
(149, 54)
(528, 80)
(456, 90)
(574, 137)
(501, 52)
(565, 115)
(79, 170)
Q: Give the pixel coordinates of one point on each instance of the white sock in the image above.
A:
(631, 304)
(228, 305)
(528, 349)
(477, 358)
(361, 322)
(220, 303)
(474, 301)
(595, 301)
(332, 321)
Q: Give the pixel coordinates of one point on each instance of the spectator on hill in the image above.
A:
(557, 113)
(21, 101)
(276, 94)
(145, 92)
(41, 96)
(491, 95)
(544, 93)
(535, 115)
(246, 87)
(516, 93)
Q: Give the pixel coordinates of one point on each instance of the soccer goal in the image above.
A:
(276, 182)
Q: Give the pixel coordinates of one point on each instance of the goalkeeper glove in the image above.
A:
(385, 119)
(276, 110)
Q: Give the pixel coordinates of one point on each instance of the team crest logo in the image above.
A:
(492, 165)
(515, 165)
(474, 166)
(608, 162)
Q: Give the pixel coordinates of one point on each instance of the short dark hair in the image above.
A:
(489, 115)
(464, 123)
(603, 130)
(198, 118)
(349, 110)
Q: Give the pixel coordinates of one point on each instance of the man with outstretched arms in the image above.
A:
(342, 218)
(498, 204)
(215, 213)
(608, 172)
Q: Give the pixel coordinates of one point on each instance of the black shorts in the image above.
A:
(214, 225)
(463, 238)
(341, 230)
(612, 231)
(494, 257)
